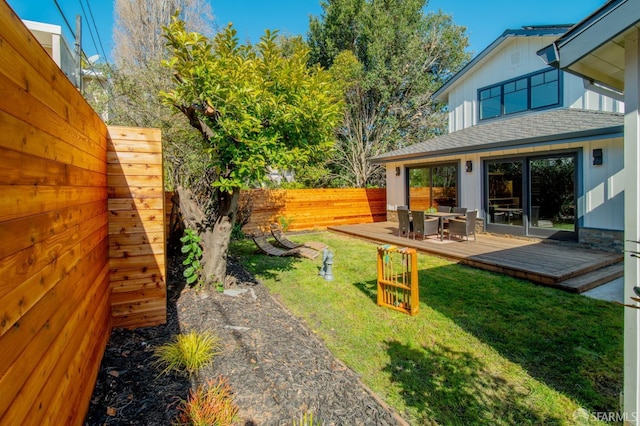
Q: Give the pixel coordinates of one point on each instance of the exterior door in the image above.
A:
(532, 196)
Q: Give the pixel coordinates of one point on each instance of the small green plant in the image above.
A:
(285, 223)
(432, 210)
(236, 232)
(188, 353)
(210, 405)
(191, 247)
(307, 420)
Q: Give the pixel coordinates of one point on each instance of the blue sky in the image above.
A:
(485, 19)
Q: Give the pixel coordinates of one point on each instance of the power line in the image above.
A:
(97, 32)
(65, 19)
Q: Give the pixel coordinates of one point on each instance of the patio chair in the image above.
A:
(404, 224)
(268, 248)
(464, 227)
(444, 209)
(498, 217)
(461, 210)
(286, 243)
(424, 226)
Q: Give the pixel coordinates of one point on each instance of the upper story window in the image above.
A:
(534, 91)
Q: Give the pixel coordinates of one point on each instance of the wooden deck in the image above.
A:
(561, 265)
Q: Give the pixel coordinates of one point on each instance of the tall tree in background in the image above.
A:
(255, 106)
(137, 78)
(404, 56)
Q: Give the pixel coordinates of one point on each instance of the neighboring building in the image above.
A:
(533, 149)
(51, 38)
(93, 83)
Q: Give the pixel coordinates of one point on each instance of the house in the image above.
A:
(93, 84)
(534, 149)
(604, 48)
(51, 38)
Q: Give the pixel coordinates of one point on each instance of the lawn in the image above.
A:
(484, 348)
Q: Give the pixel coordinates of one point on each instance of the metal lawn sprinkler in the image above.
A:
(323, 268)
(328, 273)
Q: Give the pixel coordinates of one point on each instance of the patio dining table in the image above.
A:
(442, 216)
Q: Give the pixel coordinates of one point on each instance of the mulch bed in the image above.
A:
(277, 368)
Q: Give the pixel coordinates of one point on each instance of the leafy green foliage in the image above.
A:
(262, 108)
(397, 57)
(210, 405)
(188, 353)
(191, 247)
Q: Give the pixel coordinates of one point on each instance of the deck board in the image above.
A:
(541, 261)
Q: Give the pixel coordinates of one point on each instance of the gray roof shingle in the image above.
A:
(551, 126)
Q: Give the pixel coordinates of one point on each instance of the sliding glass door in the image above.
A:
(532, 195)
(432, 186)
(553, 201)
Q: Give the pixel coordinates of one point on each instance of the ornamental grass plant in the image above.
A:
(210, 405)
(188, 353)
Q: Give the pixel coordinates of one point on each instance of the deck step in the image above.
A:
(592, 279)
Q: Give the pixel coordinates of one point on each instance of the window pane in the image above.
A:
(419, 188)
(495, 91)
(509, 87)
(490, 108)
(550, 76)
(484, 94)
(521, 84)
(431, 186)
(505, 193)
(544, 95)
(552, 193)
(445, 186)
(537, 79)
(515, 102)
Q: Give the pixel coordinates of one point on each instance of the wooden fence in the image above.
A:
(305, 209)
(55, 293)
(136, 227)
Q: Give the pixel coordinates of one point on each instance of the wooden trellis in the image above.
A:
(398, 279)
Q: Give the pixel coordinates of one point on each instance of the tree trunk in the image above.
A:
(215, 234)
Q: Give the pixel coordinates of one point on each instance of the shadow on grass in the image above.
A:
(572, 343)
(255, 261)
(569, 342)
(462, 388)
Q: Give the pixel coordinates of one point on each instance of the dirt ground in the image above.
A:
(276, 367)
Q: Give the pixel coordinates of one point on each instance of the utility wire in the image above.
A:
(65, 19)
(97, 32)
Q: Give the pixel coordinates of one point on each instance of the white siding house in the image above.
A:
(520, 148)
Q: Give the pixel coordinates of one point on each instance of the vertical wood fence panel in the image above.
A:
(54, 285)
(136, 227)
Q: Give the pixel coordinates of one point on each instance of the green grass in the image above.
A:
(484, 348)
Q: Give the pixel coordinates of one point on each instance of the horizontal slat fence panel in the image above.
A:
(136, 227)
(55, 310)
(307, 209)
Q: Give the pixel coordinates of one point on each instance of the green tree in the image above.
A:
(255, 107)
(405, 55)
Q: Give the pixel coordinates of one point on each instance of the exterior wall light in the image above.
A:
(597, 157)
(468, 166)
(397, 171)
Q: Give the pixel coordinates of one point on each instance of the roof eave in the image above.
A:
(613, 131)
